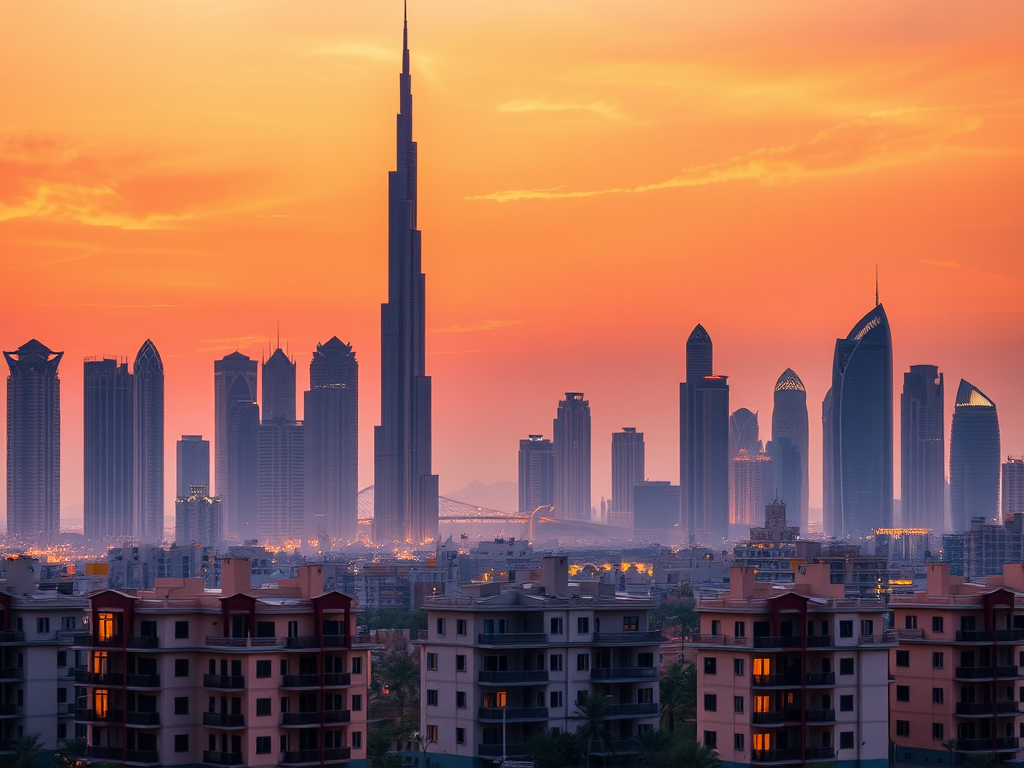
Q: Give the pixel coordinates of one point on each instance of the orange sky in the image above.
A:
(595, 179)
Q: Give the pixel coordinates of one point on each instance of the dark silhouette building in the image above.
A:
(236, 425)
(744, 433)
(279, 388)
(627, 467)
(198, 518)
(1012, 496)
(405, 488)
(973, 458)
(331, 425)
(922, 449)
(33, 442)
(572, 458)
(280, 485)
(193, 464)
(148, 445)
(536, 473)
(857, 430)
(790, 444)
(703, 445)
(655, 508)
(108, 453)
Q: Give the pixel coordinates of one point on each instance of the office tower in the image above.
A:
(536, 473)
(571, 435)
(236, 425)
(278, 388)
(280, 507)
(1013, 486)
(789, 445)
(148, 445)
(108, 450)
(331, 427)
(193, 464)
(627, 467)
(752, 491)
(703, 445)
(857, 429)
(33, 442)
(198, 518)
(744, 434)
(922, 449)
(973, 458)
(405, 488)
(655, 508)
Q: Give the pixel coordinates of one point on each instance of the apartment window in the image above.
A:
(740, 629)
(846, 628)
(645, 696)
(937, 624)
(43, 625)
(710, 666)
(62, 730)
(846, 703)
(937, 696)
(902, 727)
(716, 627)
(556, 699)
(737, 667)
(737, 742)
(293, 629)
(460, 735)
(460, 662)
(181, 742)
(432, 661)
(938, 660)
(557, 628)
(263, 668)
(431, 697)
(902, 693)
(555, 662)
(846, 666)
(710, 702)
(181, 705)
(581, 695)
(284, 666)
(357, 740)
(737, 704)
(711, 739)
(357, 702)
(938, 731)
(357, 665)
(440, 626)
(902, 658)
(181, 630)
(266, 629)
(68, 622)
(62, 695)
(582, 662)
(460, 700)
(630, 623)
(645, 659)
(583, 625)
(62, 658)
(432, 733)
(181, 667)
(262, 707)
(461, 627)
(846, 739)
(911, 622)
(867, 628)
(262, 745)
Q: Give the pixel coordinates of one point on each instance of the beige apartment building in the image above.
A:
(504, 661)
(958, 667)
(185, 676)
(792, 674)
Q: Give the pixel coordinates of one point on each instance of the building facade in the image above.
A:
(922, 449)
(1012, 496)
(655, 510)
(279, 387)
(572, 458)
(752, 489)
(148, 445)
(108, 452)
(973, 457)
(628, 464)
(789, 445)
(193, 464)
(198, 519)
(280, 506)
(236, 425)
(536, 473)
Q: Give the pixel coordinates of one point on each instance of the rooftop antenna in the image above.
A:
(876, 285)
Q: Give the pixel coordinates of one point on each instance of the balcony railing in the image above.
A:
(513, 749)
(215, 641)
(513, 638)
(513, 713)
(300, 756)
(821, 715)
(9, 710)
(525, 676)
(335, 679)
(974, 673)
(775, 755)
(223, 720)
(819, 753)
(988, 708)
(974, 636)
(92, 716)
(301, 681)
(821, 678)
(637, 638)
(142, 756)
(336, 754)
(224, 681)
(622, 673)
(300, 718)
(1010, 635)
(985, 745)
(777, 642)
(222, 758)
(142, 718)
(143, 642)
(821, 641)
(12, 636)
(104, 753)
(779, 680)
(766, 718)
(142, 681)
(336, 716)
(86, 677)
(12, 673)
(632, 710)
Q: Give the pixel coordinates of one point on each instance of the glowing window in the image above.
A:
(105, 627)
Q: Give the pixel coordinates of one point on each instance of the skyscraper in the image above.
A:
(198, 518)
(405, 488)
(279, 388)
(536, 473)
(148, 445)
(922, 449)
(744, 433)
(331, 426)
(572, 458)
(1013, 486)
(703, 445)
(236, 426)
(193, 454)
(789, 445)
(33, 442)
(108, 451)
(857, 429)
(973, 458)
(280, 504)
(752, 478)
(627, 467)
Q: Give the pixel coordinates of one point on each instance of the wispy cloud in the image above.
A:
(602, 108)
(881, 140)
(956, 265)
(486, 325)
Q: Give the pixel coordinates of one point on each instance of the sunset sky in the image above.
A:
(596, 177)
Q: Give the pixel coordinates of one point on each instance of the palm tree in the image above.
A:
(398, 681)
(649, 745)
(26, 751)
(555, 750)
(950, 746)
(72, 755)
(678, 695)
(379, 743)
(594, 730)
(690, 754)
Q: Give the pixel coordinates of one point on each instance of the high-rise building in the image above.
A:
(108, 450)
(1013, 486)
(33, 442)
(148, 445)
(922, 449)
(193, 464)
(536, 473)
(744, 433)
(857, 430)
(627, 467)
(279, 387)
(572, 458)
(405, 488)
(703, 445)
(752, 490)
(655, 508)
(198, 518)
(973, 457)
(236, 425)
(280, 506)
(331, 428)
(789, 445)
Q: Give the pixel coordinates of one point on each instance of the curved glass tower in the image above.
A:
(922, 449)
(789, 445)
(973, 458)
(857, 429)
(148, 444)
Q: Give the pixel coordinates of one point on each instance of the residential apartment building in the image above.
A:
(507, 660)
(958, 667)
(182, 676)
(788, 675)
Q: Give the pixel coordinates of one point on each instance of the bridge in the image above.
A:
(450, 511)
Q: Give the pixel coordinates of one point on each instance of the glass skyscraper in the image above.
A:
(789, 445)
(922, 449)
(973, 458)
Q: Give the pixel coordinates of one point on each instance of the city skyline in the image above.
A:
(334, 130)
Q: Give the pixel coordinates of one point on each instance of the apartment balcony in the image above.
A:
(301, 681)
(512, 749)
(706, 639)
(910, 634)
(8, 674)
(781, 680)
(92, 716)
(513, 713)
(10, 710)
(778, 642)
(142, 757)
(337, 754)
(300, 719)
(12, 636)
(974, 636)
(311, 642)
(767, 718)
(763, 756)
(337, 716)
(623, 674)
(525, 677)
(147, 719)
(232, 682)
(821, 679)
(85, 677)
(142, 681)
(888, 637)
(821, 641)
(821, 716)
(105, 753)
(214, 641)
(513, 638)
(987, 709)
(628, 638)
(143, 642)
(222, 758)
(1010, 636)
(1002, 744)
(632, 710)
(337, 679)
(223, 720)
(819, 753)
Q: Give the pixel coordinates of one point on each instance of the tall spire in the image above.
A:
(405, 37)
